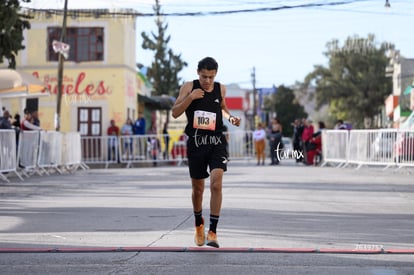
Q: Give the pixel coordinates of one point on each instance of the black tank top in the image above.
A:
(203, 109)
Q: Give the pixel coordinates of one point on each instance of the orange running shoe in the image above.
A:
(212, 239)
(199, 235)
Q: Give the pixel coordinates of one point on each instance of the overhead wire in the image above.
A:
(203, 13)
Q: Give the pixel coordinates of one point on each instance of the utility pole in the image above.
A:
(60, 69)
(254, 98)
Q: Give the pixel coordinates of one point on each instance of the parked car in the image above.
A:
(404, 147)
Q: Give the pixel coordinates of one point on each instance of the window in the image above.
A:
(32, 104)
(89, 121)
(86, 44)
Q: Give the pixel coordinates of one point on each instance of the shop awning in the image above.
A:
(15, 83)
(157, 102)
(146, 99)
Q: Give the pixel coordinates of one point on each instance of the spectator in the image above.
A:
(315, 144)
(321, 127)
(127, 130)
(16, 126)
(259, 136)
(113, 133)
(27, 122)
(154, 147)
(306, 137)
(275, 138)
(297, 139)
(340, 125)
(140, 124)
(166, 137)
(16, 122)
(153, 144)
(139, 129)
(35, 118)
(5, 122)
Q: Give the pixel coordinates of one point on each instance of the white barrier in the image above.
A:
(384, 147)
(71, 152)
(335, 147)
(8, 154)
(404, 148)
(50, 153)
(44, 151)
(41, 152)
(241, 145)
(372, 147)
(99, 150)
(155, 148)
(28, 151)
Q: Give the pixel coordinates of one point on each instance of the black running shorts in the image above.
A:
(206, 151)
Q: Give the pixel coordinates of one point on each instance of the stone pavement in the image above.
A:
(286, 219)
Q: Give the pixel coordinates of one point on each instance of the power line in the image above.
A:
(131, 12)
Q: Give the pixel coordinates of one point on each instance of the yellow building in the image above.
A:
(100, 80)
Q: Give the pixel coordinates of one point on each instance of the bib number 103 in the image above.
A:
(204, 120)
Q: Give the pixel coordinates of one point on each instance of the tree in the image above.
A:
(285, 105)
(354, 84)
(163, 73)
(12, 25)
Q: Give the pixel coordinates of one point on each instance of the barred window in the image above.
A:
(86, 44)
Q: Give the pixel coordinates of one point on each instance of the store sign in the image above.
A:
(76, 86)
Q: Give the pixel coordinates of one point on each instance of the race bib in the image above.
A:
(204, 120)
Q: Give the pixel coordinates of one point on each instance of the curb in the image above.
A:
(166, 249)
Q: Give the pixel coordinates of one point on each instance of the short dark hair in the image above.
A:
(207, 63)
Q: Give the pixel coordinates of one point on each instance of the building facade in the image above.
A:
(399, 105)
(99, 82)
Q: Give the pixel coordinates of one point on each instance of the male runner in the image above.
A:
(203, 102)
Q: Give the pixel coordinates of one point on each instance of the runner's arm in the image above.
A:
(184, 99)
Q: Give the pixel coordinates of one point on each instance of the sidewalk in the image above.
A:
(285, 218)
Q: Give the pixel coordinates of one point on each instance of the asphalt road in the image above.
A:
(286, 219)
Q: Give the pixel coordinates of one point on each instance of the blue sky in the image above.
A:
(282, 45)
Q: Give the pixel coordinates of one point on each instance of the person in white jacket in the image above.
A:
(259, 137)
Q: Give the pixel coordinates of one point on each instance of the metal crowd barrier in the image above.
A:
(71, 151)
(28, 152)
(383, 147)
(8, 154)
(161, 148)
(241, 145)
(50, 153)
(372, 147)
(45, 151)
(335, 147)
(133, 149)
(404, 148)
(39, 152)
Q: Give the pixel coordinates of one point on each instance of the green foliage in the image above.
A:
(284, 103)
(12, 25)
(163, 73)
(354, 84)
